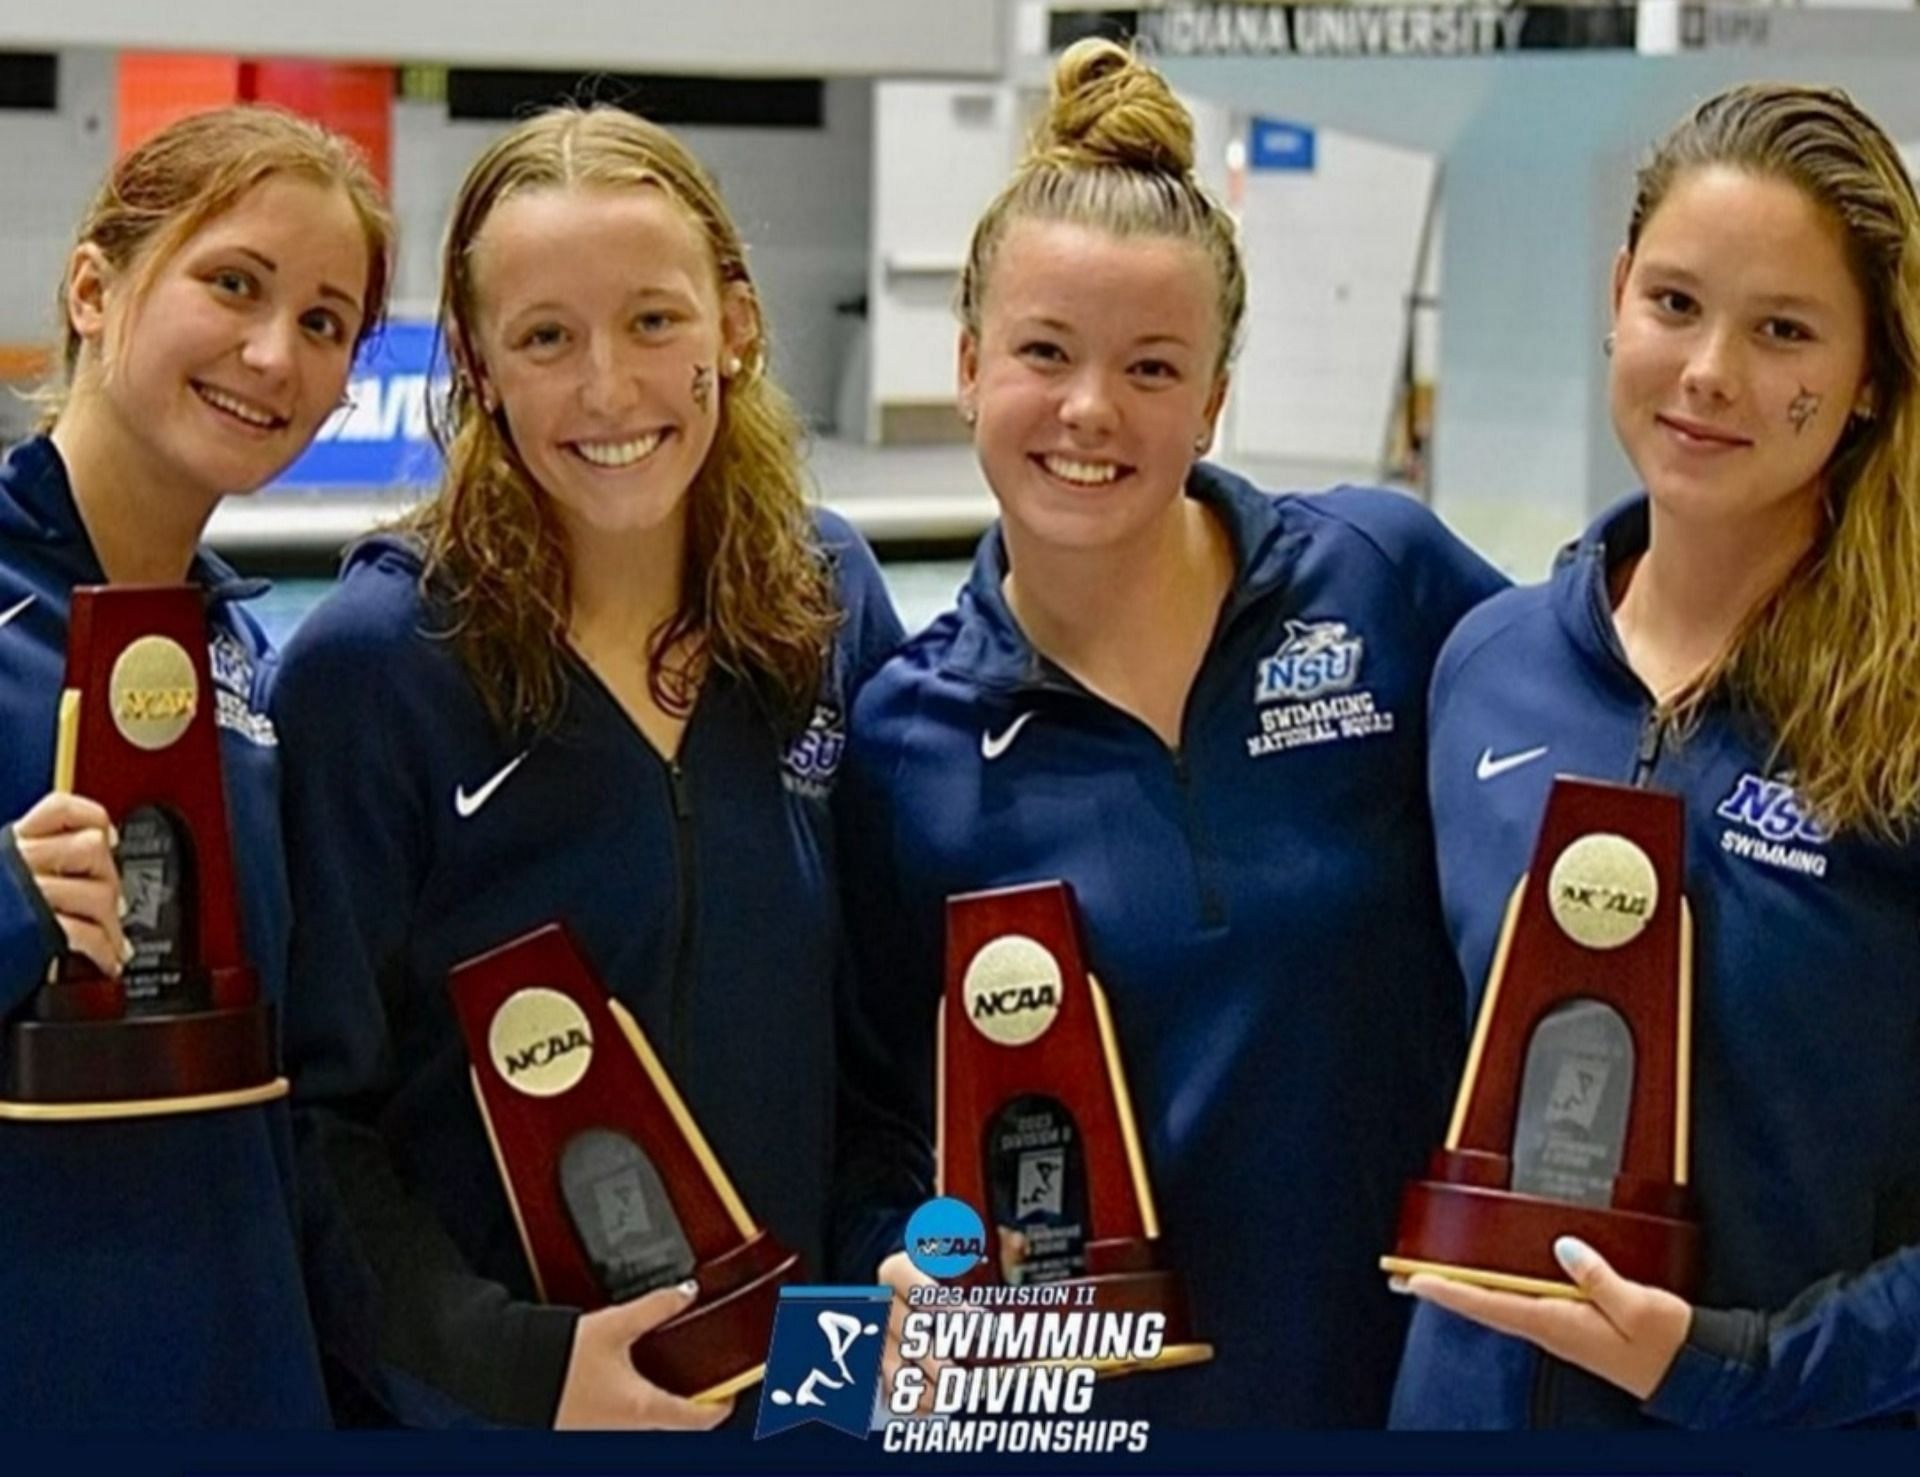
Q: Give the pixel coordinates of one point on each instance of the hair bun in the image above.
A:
(1109, 107)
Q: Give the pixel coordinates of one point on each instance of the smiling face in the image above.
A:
(221, 369)
(1092, 381)
(1740, 347)
(600, 333)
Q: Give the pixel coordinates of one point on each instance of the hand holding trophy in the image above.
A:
(181, 1028)
(1036, 1124)
(614, 1189)
(1572, 1116)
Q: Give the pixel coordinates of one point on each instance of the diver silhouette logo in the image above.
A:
(824, 1360)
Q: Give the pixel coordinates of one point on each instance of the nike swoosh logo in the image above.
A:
(992, 746)
(1491, 768)
(7, 615)
(464, 805)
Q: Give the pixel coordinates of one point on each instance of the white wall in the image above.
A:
(742, 37)
(50, 164)
(941, 151)
(1332, 260)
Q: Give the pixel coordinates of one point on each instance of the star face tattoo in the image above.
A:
(703, 386)
(1805, 406)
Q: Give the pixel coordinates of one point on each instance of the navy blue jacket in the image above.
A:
(1259, 903)
(148, 1274)
(702, 893)
(1806, 1065)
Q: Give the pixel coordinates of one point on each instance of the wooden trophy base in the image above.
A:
(695, 1355)
(1459, 1223)
(139, 1066)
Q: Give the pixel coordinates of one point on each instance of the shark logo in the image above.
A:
(1317, 657)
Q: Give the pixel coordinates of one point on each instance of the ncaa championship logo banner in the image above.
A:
(824, 1360)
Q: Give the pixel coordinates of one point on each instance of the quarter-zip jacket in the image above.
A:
(701, 891)
(1806, 1064)
(148, 1268)
(1259, 904)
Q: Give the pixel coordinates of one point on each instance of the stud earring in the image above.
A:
(969, 414)
(1606, 346)
(732, 367)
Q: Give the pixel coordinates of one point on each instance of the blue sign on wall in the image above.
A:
(379, 438)
(1273, 144)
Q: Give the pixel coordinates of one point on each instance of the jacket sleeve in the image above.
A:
(1847, 1349)
(401, 1315)
(1442, 577)
(882, 1161)
(30, 936)
(884, 1150)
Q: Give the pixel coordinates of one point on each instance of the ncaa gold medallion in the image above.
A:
(1013, 990)
(540, 1042)
(153, 692)
(1603, 891)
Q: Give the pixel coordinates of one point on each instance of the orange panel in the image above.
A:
(156, 88)
(356, 101)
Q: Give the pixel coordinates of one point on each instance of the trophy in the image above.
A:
(1572, 1116)
(613, 1188)
(183, 1029)
(1036, 1128)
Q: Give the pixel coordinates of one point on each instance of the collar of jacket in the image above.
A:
(1583, 595)
(37, 506)
(990, 650)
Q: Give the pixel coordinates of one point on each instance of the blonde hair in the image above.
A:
(1114, 152)
(1830, 661)
(756, 591)
(162, 191)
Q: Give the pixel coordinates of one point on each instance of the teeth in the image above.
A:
(1088, 474)
(238, 408)
(619, 453)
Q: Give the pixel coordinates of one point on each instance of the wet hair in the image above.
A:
(1830, 661)
(160, 193)
(757, 599)
(1114, 152)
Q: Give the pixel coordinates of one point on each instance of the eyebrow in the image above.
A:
(327, 289)
(1144, 341)
(1792, 302)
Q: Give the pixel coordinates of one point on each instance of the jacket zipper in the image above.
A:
(1646, 752)
(1199, 844)
(681, 983)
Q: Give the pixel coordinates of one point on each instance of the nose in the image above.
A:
(269, 350)
(1087, 408)
(1712, 370)
(608, 387)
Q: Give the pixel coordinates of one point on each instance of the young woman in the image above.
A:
(602, 680)
(1742, 634)
(217, 289)
(1203, 706)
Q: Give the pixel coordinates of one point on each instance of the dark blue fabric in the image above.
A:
(1806, 1070)
(1265, 921)
(147, 1267)
(427, 1300)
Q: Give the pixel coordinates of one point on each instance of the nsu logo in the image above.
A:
(1316, 657)
(1771, 808)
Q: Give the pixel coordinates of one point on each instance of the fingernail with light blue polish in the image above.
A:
(1573, 1254)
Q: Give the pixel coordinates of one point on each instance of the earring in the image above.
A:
(1200, 445)
(1606, 346)
(969, 414)
(731, 369)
